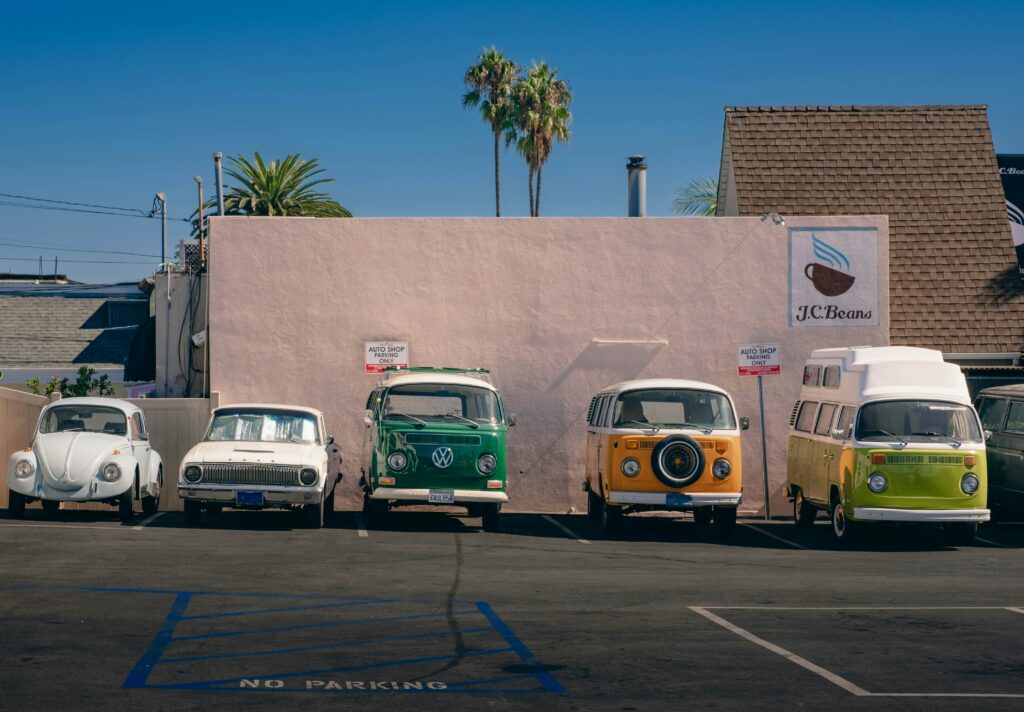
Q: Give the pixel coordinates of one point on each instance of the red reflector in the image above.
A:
(878, 458)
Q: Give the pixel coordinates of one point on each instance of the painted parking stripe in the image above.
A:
(13, 525)
(569, 532)
(994, 543)
(149, 520)
(776, 537)
(361, 525)
(1016, 610)
(778, 650)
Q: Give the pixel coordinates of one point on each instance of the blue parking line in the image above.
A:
(262, 611)
(543, 676)
(345, 668)
(323, 646)
(137, 677)
(325, 624)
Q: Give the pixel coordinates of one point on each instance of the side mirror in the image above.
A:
(744, 423)
(988, 435)
(839, 433)
(330, 439)
(511, 419)
(368, 417)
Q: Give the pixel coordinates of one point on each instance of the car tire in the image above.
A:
(125, 506)
(611, 517)
(313, 515)
(193, 512)
(51, 506)
(803, 511)
(375, 508)
(593, 506)
(329, 506)
(702, 516)
(687, 447)
(843, 529)
(491, 517)
(961, 533)
(16, 505)
(725, 523)
(151, 505)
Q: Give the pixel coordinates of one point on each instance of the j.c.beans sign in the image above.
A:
(833, 277)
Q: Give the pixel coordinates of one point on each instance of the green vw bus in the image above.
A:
(886, 434)
(436, 437)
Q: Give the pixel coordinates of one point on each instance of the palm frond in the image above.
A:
(698, 197)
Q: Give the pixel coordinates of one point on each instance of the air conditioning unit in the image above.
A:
(189, 257)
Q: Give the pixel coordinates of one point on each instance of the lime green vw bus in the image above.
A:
(886, 434)
(436, 437)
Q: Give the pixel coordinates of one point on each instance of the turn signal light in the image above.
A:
(970, 460)
(878, 458)
(721, 446)
(28, 449)
(386, 481)
(632, 444)
(494, 484)
(117, 452)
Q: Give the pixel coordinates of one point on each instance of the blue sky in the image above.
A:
(109, 103)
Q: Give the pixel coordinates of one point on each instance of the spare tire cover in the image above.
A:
(678, 460)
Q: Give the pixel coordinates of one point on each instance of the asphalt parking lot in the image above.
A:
(252, 610)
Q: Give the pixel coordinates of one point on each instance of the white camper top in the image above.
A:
(435, 378)
(869, 373)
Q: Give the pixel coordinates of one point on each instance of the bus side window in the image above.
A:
(845, 419)
(824, 423)
(805, 419)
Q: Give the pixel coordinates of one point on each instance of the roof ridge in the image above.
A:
(854, 108)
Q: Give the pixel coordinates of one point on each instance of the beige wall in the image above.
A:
(175, 425)
(173, 363)
(539, 301)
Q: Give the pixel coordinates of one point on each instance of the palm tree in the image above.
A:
(489, 83)
(541, 118)
(698, 197)
(284, 187)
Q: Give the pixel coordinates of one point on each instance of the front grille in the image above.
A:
(440, 439)
(708, 445)
(648, 444)
(904, 459)
(945, 459)
(250, 474)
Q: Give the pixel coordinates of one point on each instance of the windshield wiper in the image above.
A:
(703, 428)
(643, 424)
(891, 435)
(420, 423)
(472, 423)
(950, 438)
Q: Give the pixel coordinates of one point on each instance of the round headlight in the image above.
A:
(111, 472)
(309, 477)
(630, 467)
(877, 482)
(970, 483)
(486, 463)
(193, 474)
(24, 468)
(397, 461)
(722, 468)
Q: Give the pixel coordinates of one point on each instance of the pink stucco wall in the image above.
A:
(293, 300)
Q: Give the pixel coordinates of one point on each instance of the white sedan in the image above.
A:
(87, 450)
(261, 456)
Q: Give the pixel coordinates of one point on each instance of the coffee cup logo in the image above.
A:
(830, 274)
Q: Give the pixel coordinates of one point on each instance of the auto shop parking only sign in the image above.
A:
(382, 354)
(759, 360)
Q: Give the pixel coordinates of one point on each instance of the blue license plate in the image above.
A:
(675, 499)
(249, 499)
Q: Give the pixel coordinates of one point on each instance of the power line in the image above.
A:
(141, 214)
(68, 202)
(63, 248)
(93, 262)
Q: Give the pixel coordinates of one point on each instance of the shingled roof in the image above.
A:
(931, 169)
(59, 332)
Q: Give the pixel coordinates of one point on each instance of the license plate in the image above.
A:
(675, 499)
(249, 499)
(441, 496)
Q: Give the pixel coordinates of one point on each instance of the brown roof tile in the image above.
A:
(932, 170)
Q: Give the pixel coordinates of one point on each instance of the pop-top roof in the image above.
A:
(644, 384)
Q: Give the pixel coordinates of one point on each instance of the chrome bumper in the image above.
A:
(938, 516)
(96, 490)
(420, 495)
(272, 496)
(677, 500)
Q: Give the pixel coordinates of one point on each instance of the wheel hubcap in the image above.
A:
(839, 520)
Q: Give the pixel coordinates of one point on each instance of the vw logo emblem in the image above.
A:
(442, 457)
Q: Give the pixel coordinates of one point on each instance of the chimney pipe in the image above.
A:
(636, 171)
(220, 182)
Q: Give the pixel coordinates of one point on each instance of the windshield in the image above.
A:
(84, 418)
(917, 420)
(274, 426)
(437, 403)
(674, 408)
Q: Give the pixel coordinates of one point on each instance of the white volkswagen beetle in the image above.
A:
(260, 456)
(87, 450)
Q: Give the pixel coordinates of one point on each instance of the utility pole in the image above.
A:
(202, 243)
(162, 197)
(55, 269)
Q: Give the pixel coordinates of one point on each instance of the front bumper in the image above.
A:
(937, 516)
(420, 495)
(677, 500)
(96, 490)
(272, 496)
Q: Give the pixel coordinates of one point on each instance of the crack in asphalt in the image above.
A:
(449, 611)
